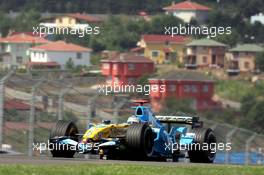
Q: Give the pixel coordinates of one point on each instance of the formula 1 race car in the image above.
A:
(143, 137)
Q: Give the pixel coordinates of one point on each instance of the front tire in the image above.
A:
(63, 129)
(140, 141)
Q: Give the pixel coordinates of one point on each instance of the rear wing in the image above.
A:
(194, 121)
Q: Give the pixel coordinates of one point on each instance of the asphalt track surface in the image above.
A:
(45, 160)
(5, 159)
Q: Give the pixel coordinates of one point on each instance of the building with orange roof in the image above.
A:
(188, 10)
(59, 53)
(123, 69)
(163, 48)
(13, 49)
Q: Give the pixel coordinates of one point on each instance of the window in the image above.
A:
(204, 48)
(79, 55)
(155, 53)
(172, 88)
(186, 88)
(19, 59)
(115, 66)
(43, 55)
(205, 88)
(204, 59)
(194, 88)
(1, 59)
(19, 47)
(70, 20)
(247, 65)
(106, 66)
(131, 66)
(2, 47)
(60, 20)
(116, 80)
(131, 80)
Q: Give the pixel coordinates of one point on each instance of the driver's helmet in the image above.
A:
(132, 119)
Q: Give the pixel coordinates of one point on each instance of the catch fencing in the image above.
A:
(30, 105)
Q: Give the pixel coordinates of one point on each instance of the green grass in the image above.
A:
(237, 89)
(121, 169)
(233, 89)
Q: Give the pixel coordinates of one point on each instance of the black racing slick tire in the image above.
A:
(200, 153)
(63, 129)
(140, 141)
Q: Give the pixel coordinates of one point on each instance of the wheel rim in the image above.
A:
(148, 142)
(211, 140)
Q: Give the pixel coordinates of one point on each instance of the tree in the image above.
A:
(247, 103)
(252, 110)
(27, 20)
(69, 64)
(230, 40)
(255, 117)
(5, 24)
(260, 61)
(96, 59)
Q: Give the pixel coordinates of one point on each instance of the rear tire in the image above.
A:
(202, 137)
(140, 141)
(63, 128)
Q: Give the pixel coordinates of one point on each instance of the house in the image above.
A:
(59, 53)
(72, 20)
(11, 33)
(205, 53)
(138, 51)
(12, 104)
(125, 69)
(183, 85)
(163, 48)
(144, 15)
(188, 10)
(13, 49)
(242, 58)
(257, 18)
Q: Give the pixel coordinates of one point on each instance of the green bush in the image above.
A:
(173, 106)
(96, 59)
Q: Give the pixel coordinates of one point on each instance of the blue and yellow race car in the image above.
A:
(143, 137)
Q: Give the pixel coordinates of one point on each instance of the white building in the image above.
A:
(257, 18)
(188, 10)
(72, 20)
(59, 53)
(13, 49)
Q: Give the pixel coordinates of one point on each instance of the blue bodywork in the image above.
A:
(165, 141)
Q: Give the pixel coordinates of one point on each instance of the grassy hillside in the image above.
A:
(233, 90)
(237, 89)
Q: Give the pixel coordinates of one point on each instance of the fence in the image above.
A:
(30, 106)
